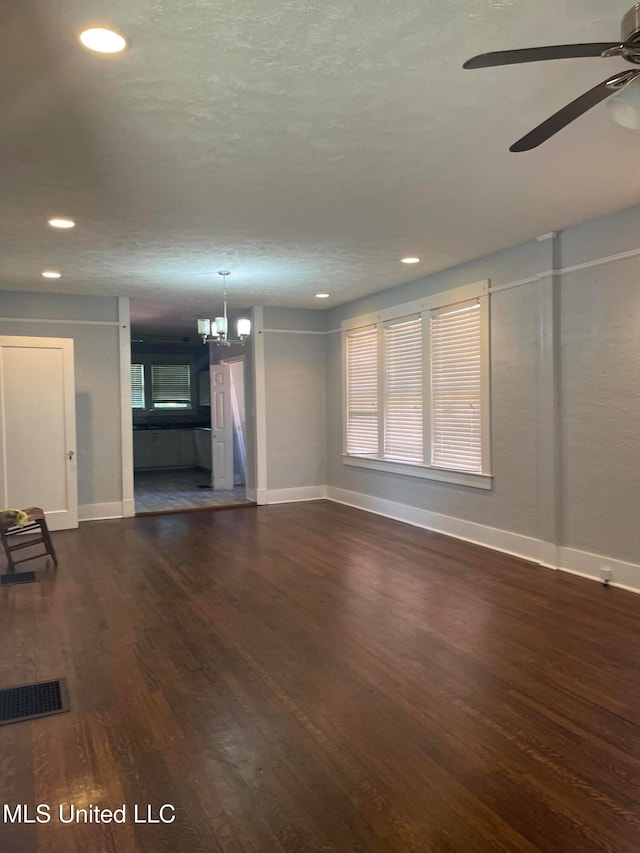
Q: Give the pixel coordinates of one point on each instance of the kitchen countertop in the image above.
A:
(169, 426)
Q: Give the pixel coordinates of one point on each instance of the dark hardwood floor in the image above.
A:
(309, 677)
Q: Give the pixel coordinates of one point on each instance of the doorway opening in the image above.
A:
(189, 445)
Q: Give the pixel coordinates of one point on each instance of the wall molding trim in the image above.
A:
(295, 331)
(598, 262)
(59, 322)
(624, 575)
(101, 512)
(300, 493)
(302, 332)
(494, 288)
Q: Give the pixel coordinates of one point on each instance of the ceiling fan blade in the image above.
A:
(573, 111)
(538, 54)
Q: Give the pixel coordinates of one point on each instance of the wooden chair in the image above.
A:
(37, 524)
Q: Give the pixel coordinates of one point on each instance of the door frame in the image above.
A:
(257, 476)
(66, 346)
(240, 359)
(126, 413)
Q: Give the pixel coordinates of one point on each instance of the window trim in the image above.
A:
(421, 471)
(478, 290)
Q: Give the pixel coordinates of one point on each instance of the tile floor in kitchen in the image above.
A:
(179, 489)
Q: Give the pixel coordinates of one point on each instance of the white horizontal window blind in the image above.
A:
(171, 386)
(456, 380)
(403, 396)
(362, 392)
(137, 386)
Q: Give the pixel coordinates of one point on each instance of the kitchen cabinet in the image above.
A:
(202, 448)
(156, 448)
(187, 454)
(143, 450)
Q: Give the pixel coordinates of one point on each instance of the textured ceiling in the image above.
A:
(305, 146)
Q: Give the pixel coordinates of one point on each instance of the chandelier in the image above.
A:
(216, 331)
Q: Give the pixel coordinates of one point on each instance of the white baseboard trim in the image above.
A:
(100, 512)
(301, 493)
(515, 544)
(623, 575)
(57, 520)
(586, 565)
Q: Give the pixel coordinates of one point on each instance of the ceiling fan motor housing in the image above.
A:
(631, 24)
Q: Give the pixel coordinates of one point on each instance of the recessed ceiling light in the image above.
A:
(61, 222)
(322, 295)
(103, 40)
(411, 260)
(51, 274)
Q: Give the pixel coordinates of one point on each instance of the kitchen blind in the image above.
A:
(137, 386)
(362, 392)
(403, 434)
(171, 386)
(456, 440)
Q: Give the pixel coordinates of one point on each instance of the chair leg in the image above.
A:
(7, 551)
(48, 544)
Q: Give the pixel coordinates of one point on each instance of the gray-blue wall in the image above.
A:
(92, 323)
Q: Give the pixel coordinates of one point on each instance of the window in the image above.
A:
(403, 409)
(137, 386)
(171, 386)
(456, 388)
(417, 388)
(362, 392)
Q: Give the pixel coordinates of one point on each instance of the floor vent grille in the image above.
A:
(18, 577)
(33, 700)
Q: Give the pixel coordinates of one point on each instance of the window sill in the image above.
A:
(424, 472)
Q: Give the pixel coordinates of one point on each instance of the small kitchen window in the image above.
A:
(171, 386)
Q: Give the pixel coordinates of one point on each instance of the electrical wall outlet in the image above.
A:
(605, 574)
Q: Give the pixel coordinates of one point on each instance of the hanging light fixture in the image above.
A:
(624, 107)
(216, 331)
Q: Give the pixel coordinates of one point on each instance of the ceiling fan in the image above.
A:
(628, 48)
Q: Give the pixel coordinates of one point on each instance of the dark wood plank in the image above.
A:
(309, 677)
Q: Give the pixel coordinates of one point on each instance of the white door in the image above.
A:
(38, 434)
(221, 427)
